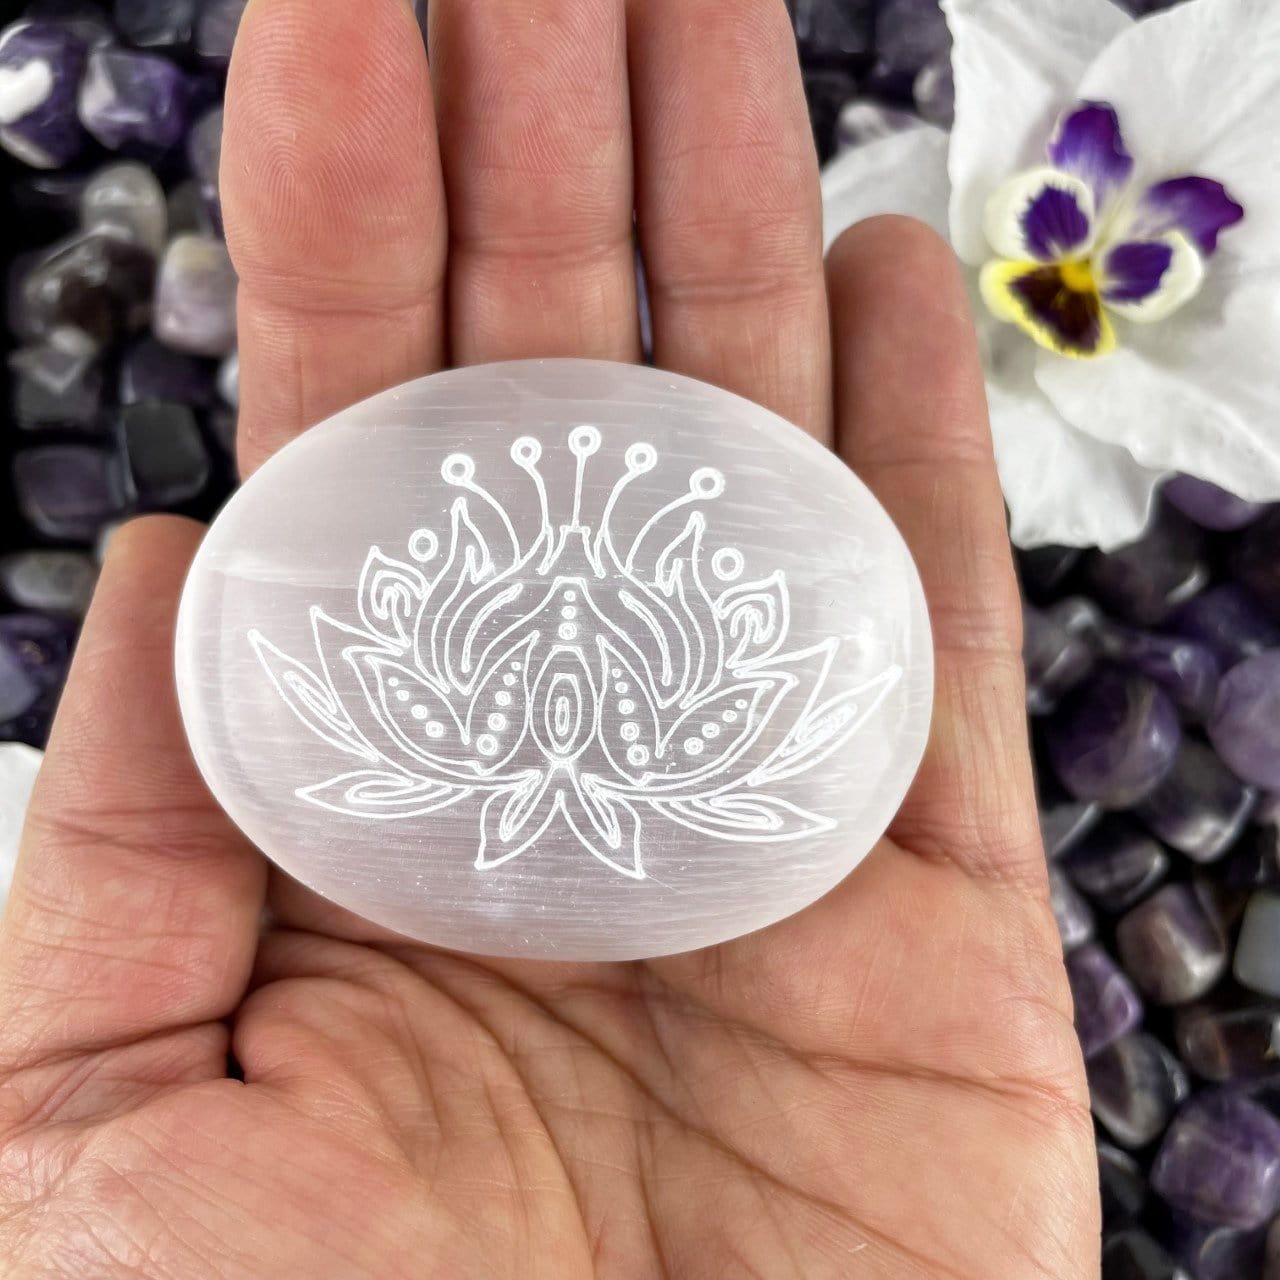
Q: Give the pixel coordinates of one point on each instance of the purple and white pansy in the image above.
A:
(1113, 186)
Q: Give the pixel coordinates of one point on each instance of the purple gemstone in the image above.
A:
(1217, 1253)
(1230, 1043)
(1230, 622)
(195, 304)
(1117, 864)
(1115, 740)
(1255, 561)
(1245, 727)
(1135, 1085)
(1201, 806)
(49, 581)
(1171, 945)
(216, 29)
(832, 31)
(156, 24)
(1146, 581)
(1133, 1255)
(908, 35)
(40, 68)
(68, 490)
(1055, 659)
(127, 199)
(204, 151)
(151, 371)
(34, 654)
(229, 380)
(84, 17)
(1070, 911)
(58, 382)
(1124, 1188)
(164, 453)
(1254, 863)
(1185, 669)
(1106, 1005)
(1209, 506)
(18, 691)
(1044, 571)
(1220, 1161)
(133, 101)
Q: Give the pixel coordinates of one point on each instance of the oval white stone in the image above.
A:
(557, 659)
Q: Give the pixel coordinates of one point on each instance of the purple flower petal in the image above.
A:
(1134, 270)
(1087, 143)
(1198, 207)
(1054, 224)
(1061, 313)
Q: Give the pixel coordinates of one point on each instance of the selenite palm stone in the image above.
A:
(557, 659)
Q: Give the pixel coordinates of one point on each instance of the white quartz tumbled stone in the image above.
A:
(557, 659)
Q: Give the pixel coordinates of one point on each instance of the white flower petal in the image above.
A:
(902, 173)
(1197, 89)
(1197, 393)
(1017, 64)
(1016, 225)
(1061, 486)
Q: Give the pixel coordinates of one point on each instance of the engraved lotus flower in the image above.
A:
(564, 684)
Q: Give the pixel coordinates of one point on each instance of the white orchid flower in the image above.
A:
(1113, 188)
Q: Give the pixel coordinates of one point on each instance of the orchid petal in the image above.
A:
(903, 173)
(1061, 486)
(1196, 89)
(1016, 62)
(1040, 213)
(1148, 280)
(1195, 394)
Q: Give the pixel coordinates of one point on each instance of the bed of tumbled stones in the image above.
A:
(1153, 672)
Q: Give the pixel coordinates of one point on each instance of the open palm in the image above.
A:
(886, 1085)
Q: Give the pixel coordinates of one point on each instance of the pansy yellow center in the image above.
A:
(1078, 276)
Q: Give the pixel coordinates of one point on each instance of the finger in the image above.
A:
(334, 211)
(535, 137)
(912, 422)
(135, 903)
(728, 204)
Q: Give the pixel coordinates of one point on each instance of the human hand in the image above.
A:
(886, 1085)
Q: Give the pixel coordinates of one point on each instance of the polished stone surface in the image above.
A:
(1230, 621)
(1071, 913)
(49, 581)
(1135, 1085)
(583, 631)
(1106, 1004)
(127, 198)
(69, 490)
(40, 68)
(1134, 1255)
(1171, 945)
(165, 458)
(1257, 959)
(195, 306)
(1230, 1042)
(57, 382)
(1144, 582)
(1056, 660)
(1245, 728)
(135, 102)
(1209, 506)
(1187, 670)
(1117, 864)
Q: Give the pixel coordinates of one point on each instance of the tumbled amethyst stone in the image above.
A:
(1209, 506)
(1115, 739)
(1257, 959)
(204, 151)
(1185, 669)
(1071, 912)
(1217, 1253)
(1201, 806)
(1220, 1161)
(1230, 622)
(1135, 1085)
(1230, 1043)
(1117, 864)
(1254, 560)
(909, 34)
(40, 68)
(1056, 660)
(165, 458)
(1254, 863)
(49, 581)
(1171, 945)
(1106, 1004)
(133, 101)
(69, 490)
(1133, 1255)
(35, 651)
(156, 24)
(18, 691)
(195, 303)
(832, 31)
(1245, 726)
(1123, 1184)
(1144, 582)
(58, 382)
(151, 371)
(216, 28)
(1043, 571)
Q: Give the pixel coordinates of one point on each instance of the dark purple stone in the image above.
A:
(151, 371)
(42, 63)
(832, 32)
(1070, 911)
(164, 453)
(1254, 863)
(1133, 1255)
(1114, 740)
(1220, 1161)
(1228, 1043)
(1171, 945)
(1255, 562)
(1106, 1005)
(94, 281)
(1217, 1253)
(156, 24)
(34, 654)
(216, 29)
(1146, 581)
(1209, 506)
(18, 691)
(69, 490)
(1245, 727)
(204, 152)
(826, 90)
(49, 581)
(1043, 571)
(137, 102)
(1186, 670)
(909, 34)
(1135, 1085)
(1056, 660)
(1117, 864)
(1201, 807)
(1124, 1187)
(1230, 622)
(57, 383)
